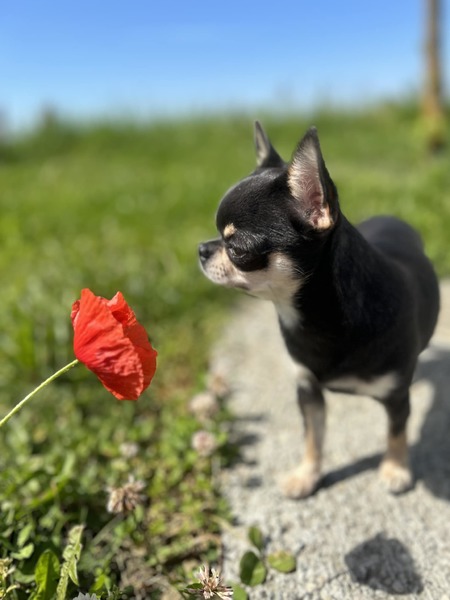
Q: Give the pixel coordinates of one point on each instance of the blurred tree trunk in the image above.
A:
(433, 105)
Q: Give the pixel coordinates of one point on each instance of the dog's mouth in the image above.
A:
(242, 286)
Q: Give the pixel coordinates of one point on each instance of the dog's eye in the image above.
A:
(246, 260)
(237, 254)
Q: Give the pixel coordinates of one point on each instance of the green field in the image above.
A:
(122, 206)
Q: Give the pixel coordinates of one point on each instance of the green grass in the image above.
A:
(122, 207)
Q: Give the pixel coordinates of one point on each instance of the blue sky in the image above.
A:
(89, 58)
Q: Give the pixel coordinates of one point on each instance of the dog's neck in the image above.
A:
(334, 292)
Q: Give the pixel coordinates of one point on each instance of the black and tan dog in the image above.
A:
(356, 305)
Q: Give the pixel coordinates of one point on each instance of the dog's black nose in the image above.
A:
(204, 251)
(207, 249)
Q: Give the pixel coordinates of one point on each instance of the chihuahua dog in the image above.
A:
(356, 305)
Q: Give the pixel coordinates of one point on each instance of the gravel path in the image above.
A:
(352, 540)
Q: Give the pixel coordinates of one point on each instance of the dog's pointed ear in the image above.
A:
(311, 185)
(266, 155)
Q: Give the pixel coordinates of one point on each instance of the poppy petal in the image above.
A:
(124, 364)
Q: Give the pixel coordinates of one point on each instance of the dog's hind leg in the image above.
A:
(394, 468)
(303, 481)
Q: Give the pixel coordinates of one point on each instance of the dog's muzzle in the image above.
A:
(207, 249)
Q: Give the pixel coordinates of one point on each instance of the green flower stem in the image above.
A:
(36, 390)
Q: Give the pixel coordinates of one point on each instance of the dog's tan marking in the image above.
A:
(314, 434)
(398, 448)
(394, 469)
(303, 481)
(229, 230)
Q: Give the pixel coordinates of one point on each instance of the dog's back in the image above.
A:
(400, 242)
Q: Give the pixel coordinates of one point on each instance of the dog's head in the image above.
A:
(273, 223)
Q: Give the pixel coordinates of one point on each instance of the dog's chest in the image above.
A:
(288, 316)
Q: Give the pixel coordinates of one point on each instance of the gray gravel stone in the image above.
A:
(352, 539)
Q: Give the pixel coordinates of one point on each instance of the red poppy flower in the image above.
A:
(112, 344)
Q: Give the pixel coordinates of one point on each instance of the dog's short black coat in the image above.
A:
(356, 306)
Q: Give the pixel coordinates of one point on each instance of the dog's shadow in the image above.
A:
(384, 564)
(430, 455)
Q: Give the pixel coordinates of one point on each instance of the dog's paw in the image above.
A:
(395, 476)
(301, 482)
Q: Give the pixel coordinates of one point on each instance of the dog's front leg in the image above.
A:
(303, 481)
(394, 468)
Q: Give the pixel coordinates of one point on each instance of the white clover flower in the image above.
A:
(129, 449)
(212, 585)
(204, 442)
(204, 405)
